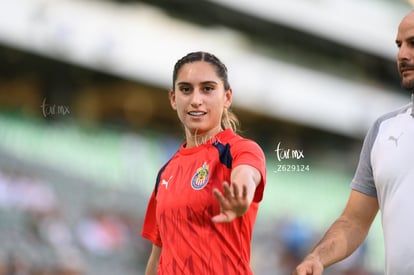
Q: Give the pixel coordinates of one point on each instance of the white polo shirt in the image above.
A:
(386, 171)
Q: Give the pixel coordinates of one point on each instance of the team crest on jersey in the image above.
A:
(200, 178)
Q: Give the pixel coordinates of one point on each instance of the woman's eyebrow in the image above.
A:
(203, 82)
(183, 83)
(209, 82)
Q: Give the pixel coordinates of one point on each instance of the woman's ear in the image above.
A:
(228, 98)
(172, 99)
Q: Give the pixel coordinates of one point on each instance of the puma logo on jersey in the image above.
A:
(165, 182)
(395, 139)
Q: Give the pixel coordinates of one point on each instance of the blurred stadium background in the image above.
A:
(85, 121)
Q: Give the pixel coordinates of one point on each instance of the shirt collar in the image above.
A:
(412, 104)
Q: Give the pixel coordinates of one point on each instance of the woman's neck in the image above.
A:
(194, 138)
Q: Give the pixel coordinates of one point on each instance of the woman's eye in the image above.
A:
(208, 89)
(185, 89)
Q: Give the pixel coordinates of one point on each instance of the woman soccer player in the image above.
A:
(201, 214)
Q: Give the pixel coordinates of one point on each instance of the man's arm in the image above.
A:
(153, 261)
(344, 236)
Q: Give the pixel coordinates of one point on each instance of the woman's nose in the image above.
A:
(196, 99)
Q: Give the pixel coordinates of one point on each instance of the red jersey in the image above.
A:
(180, 209)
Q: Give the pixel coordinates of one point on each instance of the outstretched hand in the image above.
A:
(233, 202)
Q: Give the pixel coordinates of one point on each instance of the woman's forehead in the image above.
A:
(197, 70)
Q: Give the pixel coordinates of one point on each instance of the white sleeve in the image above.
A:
(363, 180)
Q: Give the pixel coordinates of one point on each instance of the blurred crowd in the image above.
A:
(50, 228)
(41, 234)
(280, 245)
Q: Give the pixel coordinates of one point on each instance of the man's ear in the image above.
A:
(172, 100)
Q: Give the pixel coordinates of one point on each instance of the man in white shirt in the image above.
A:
(384, 180)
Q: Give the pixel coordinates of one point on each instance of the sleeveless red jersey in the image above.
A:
(180, 209)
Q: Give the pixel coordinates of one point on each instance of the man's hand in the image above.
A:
(309, 266)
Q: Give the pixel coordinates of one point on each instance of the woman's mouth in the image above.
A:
(196, 113)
